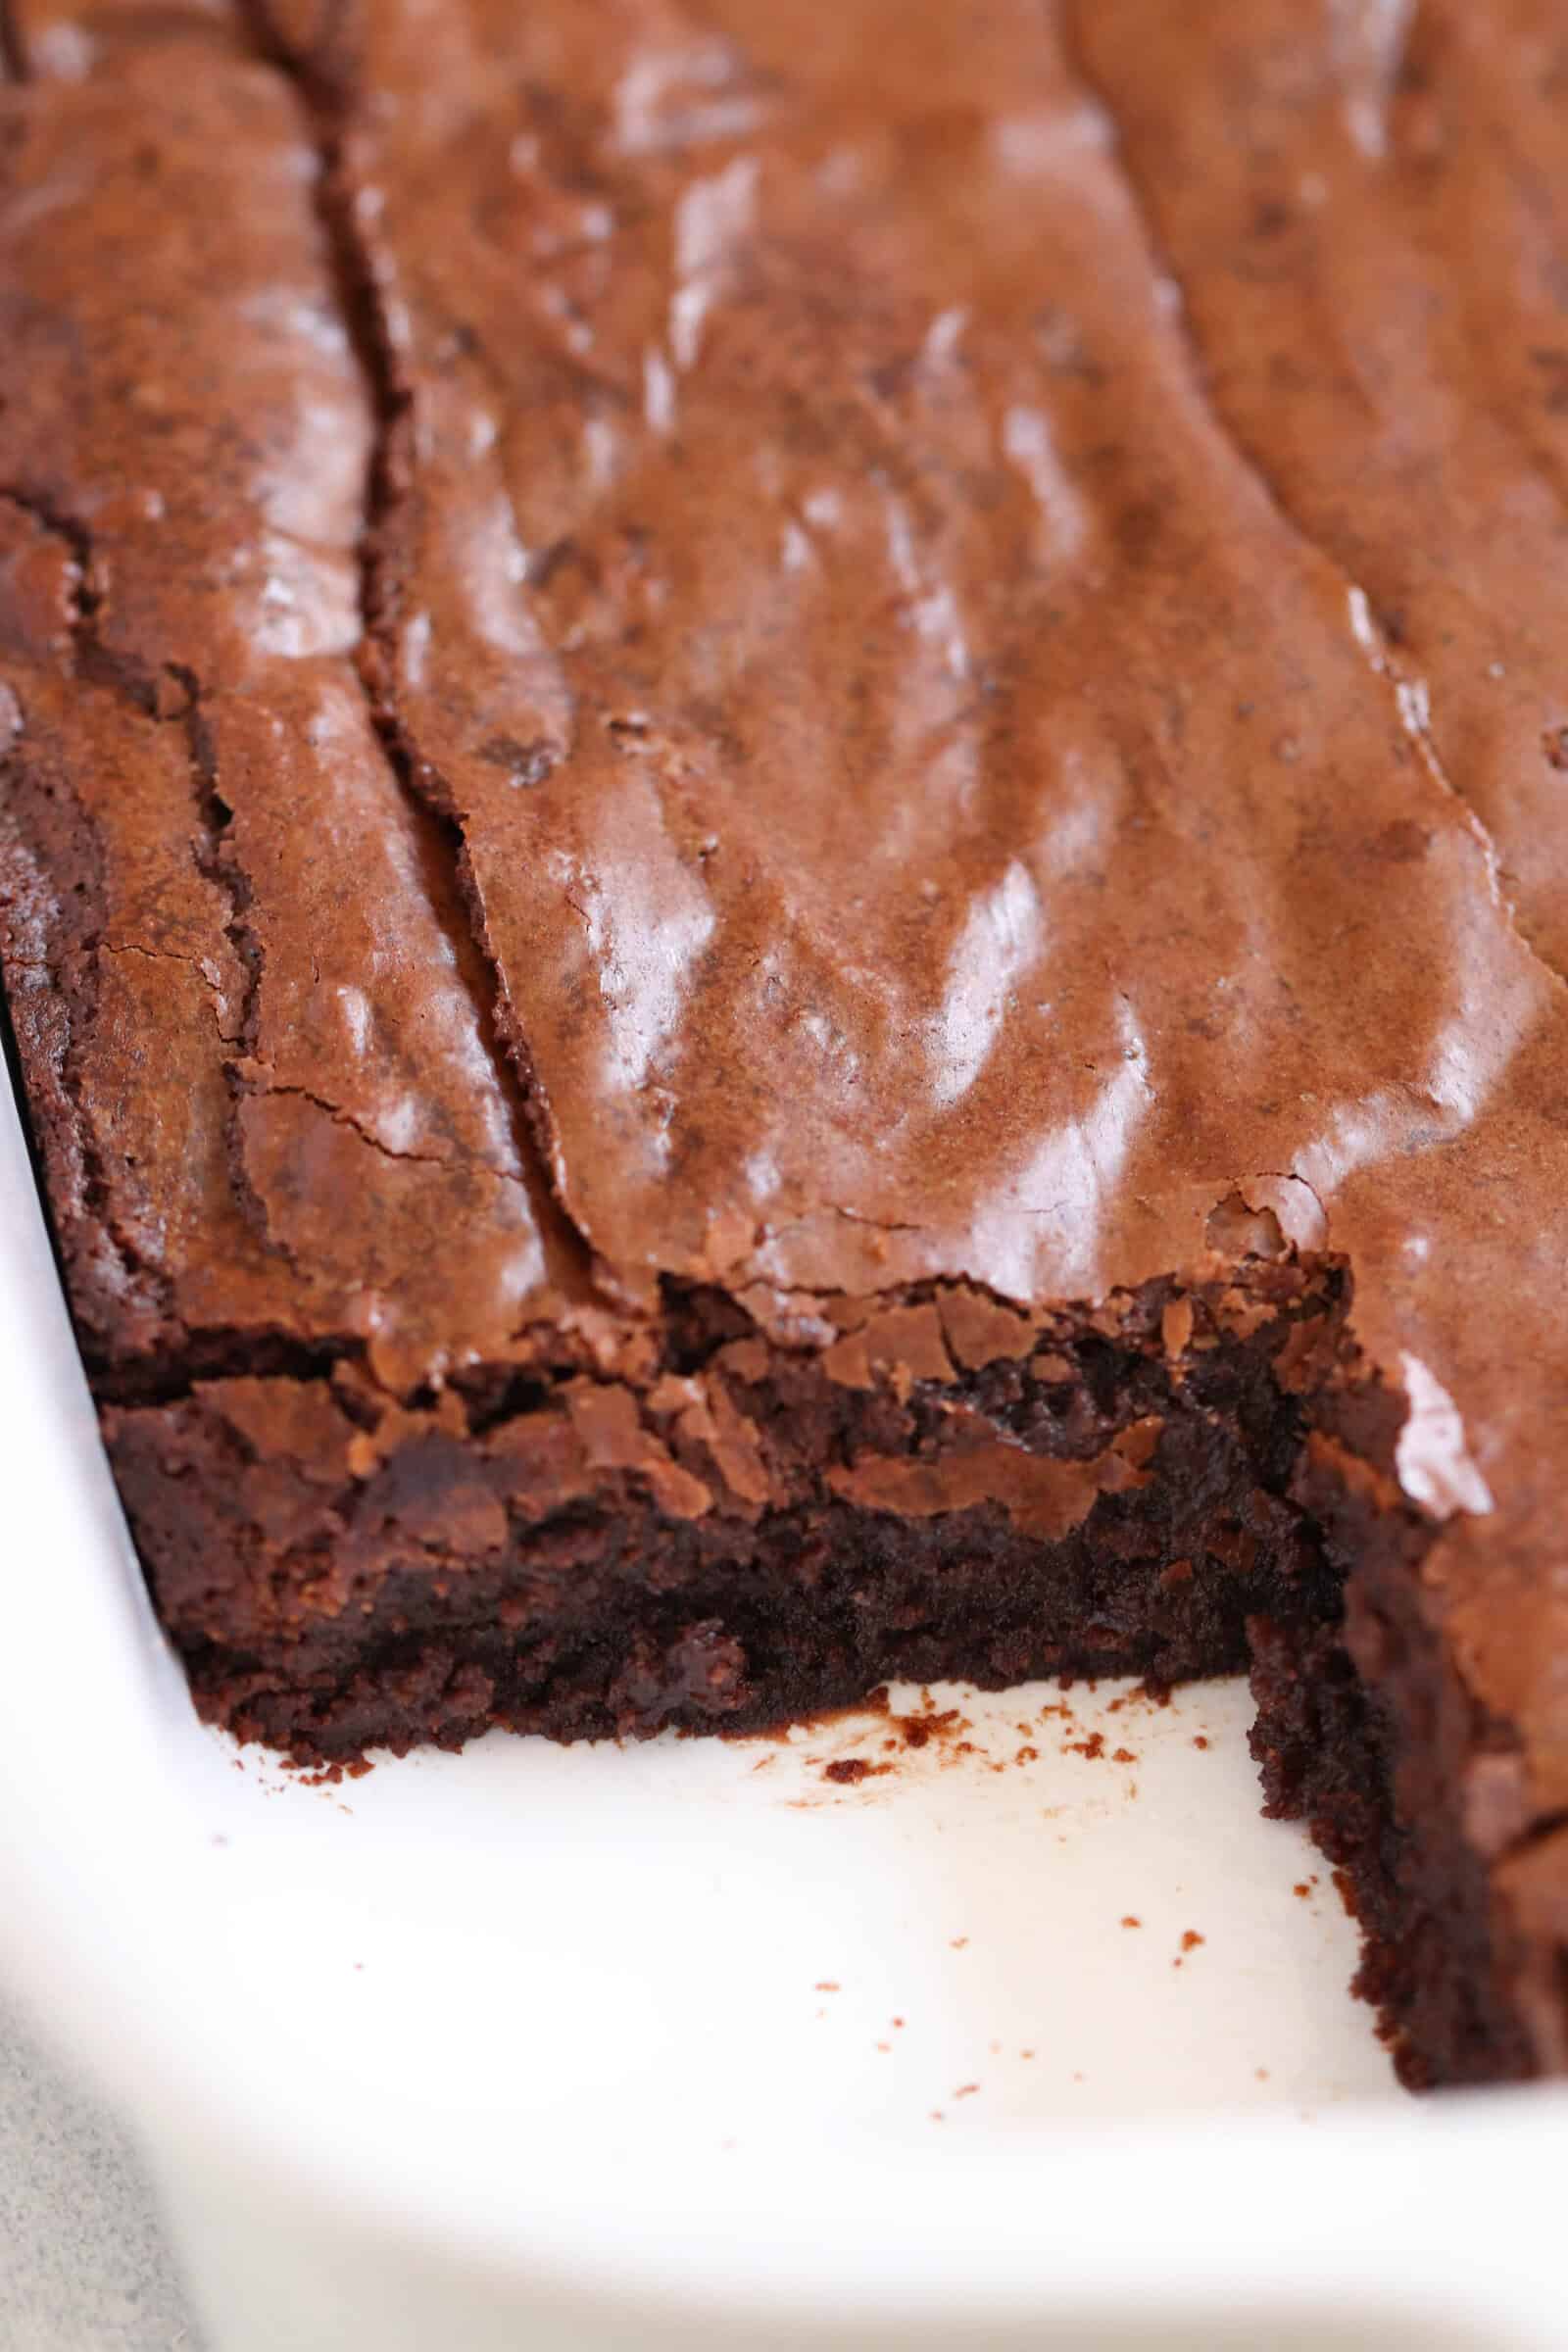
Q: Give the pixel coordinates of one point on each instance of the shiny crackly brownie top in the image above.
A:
(806, 644)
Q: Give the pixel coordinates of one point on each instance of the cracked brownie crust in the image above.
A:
(780, 875)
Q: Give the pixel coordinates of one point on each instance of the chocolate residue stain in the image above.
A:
(847, 1771)
(1200, 1739)
(1346, 1891)
(828, 1984)
(897, 2025)
(1143, 1695)
(925, 1727)
(1132, 1920)
(1191, 1939)
(777, 1735)
(919, 1730)
(941, 1735)
(966, 2090)
(1302, 1888)
(1026, 2053)
(762, 1763)
(785, 1734)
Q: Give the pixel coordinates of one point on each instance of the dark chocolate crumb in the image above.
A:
(847, 1771)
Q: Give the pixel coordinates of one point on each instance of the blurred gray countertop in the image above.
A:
(84, 2264)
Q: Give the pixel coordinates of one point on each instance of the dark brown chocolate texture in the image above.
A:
(780, 854)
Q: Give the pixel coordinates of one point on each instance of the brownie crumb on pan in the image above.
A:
(781, 867)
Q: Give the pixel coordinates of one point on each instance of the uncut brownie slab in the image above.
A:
(779, 854)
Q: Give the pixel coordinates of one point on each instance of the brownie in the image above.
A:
(781, 851)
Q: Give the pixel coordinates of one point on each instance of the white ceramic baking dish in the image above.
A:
(691, 2044)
